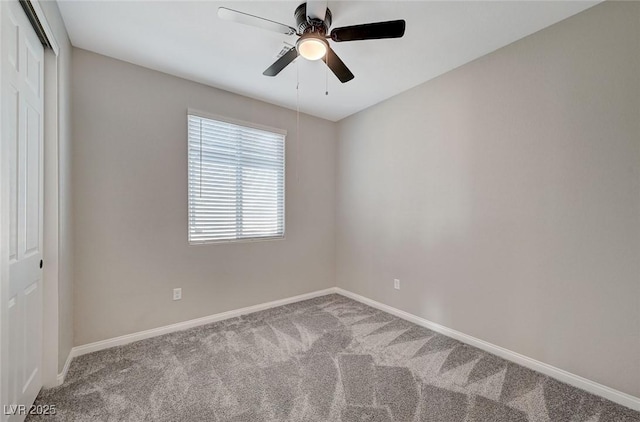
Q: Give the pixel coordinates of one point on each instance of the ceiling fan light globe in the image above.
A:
(312, 48)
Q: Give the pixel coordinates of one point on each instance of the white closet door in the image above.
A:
(22, 139)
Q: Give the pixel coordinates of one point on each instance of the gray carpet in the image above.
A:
(324, 359)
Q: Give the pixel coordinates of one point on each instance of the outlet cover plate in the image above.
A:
(177, 294)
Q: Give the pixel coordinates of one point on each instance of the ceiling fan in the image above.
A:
(314, 20)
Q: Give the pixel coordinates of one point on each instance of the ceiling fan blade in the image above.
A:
(245, 18)
(369, 31)
(316, 9)
(337, 66)
(281, 63)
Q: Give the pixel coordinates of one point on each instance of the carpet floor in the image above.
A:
(323, 359)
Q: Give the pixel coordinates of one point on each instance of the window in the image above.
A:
(236, 181)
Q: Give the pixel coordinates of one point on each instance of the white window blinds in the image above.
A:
(236, 181)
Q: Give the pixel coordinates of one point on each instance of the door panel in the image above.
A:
(32, 340)
(33, 61)
(22, 140)
(32, 184)
(15, 368)
(10, 33)
(13, 99)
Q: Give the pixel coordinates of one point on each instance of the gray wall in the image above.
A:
(64, 202)
(505, 195)
(131, 205)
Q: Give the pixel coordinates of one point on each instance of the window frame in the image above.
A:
(251, 125)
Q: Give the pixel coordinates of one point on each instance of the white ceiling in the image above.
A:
(187, 39)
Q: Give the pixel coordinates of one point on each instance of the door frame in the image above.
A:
(50, 219)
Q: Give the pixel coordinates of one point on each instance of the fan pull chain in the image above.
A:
(200, 158)
(298, 140)
(326, 89)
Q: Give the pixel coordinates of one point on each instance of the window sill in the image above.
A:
(249, 240)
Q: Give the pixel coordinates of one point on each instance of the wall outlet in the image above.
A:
(177, 294)
(396, 284)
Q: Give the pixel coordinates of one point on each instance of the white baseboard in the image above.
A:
(62, 375)
(553, 372)
(557, 373)
(154, 332)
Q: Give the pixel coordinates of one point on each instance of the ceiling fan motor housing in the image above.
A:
(315, 26)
